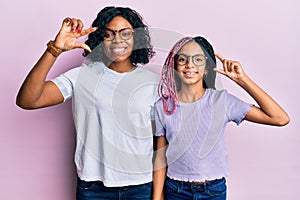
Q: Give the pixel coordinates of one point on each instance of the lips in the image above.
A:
(118, 50)
(190, 74)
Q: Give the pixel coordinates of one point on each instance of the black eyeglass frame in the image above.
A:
(114, 32)
(193, 59)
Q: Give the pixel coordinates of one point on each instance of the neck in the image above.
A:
(121, 67)
(189, 94)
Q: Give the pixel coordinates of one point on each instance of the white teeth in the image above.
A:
(190, 73)
(118, 50)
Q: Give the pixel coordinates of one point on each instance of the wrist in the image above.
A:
(244, 81)
(51, 48)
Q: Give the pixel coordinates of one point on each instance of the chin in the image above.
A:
(120, 58)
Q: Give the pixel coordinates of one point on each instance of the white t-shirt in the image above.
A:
(112, 113)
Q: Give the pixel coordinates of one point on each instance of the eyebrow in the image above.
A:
(190, 55)
(117, 30)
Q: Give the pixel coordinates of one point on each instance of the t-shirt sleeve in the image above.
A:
(236, 108)
(159, 120)
(66, 81)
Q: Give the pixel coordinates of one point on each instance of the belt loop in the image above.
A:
(181, 185)
(205, 186)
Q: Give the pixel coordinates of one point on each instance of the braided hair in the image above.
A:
(170, 83)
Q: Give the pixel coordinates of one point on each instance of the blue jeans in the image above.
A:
(95, 190)
(212, 190)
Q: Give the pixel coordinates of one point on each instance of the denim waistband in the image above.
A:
(205, 185)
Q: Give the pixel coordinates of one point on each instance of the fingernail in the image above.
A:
(73, 29)
(79, 31)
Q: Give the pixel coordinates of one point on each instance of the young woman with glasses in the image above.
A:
(112, 101)
(191, 115)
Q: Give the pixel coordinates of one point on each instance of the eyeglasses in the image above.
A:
(197, 59)
(125, 34)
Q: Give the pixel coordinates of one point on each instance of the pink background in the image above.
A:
(36, 147)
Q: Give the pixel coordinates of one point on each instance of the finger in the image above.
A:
(226, 64)
(79, 26)
(221, 58)
(84, 46)
(229, 65)
(220, 71)
(236, 64)
(233, 66)
(88, 31)
(74, 24)
(67, 21)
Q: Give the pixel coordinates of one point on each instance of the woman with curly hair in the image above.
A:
(112, 99)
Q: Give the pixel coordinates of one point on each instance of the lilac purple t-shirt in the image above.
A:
(195, 133)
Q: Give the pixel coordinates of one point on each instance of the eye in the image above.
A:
(181, 59)
(198, 59)
(126, 33)
(108, 34)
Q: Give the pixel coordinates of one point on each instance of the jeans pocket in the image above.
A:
(83, 185)
(171, 186)
(148, 186)
(218, 190)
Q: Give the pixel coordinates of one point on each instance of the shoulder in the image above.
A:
(158, 105)
(216, 94)
(158, 102)
(96, 67)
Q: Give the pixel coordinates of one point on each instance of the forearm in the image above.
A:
(158, 183)
(272, 111)
(160, 167)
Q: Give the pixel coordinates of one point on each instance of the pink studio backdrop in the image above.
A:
(36, 147)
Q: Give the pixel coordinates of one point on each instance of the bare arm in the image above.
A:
(160, 166)
(35, 91)
(269, 111)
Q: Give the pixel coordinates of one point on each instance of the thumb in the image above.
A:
(83, 46)
(220, 71)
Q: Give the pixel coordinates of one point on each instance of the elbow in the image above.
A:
(283, 120)
(22, 104)
(286, 121)
(19, 103)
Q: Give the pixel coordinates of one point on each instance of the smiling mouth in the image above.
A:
(190, 74)
(118, 50)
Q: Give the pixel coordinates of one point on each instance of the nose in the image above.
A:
(189, 63)
(117, 38)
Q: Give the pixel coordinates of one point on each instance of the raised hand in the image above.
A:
(68, 34)
(269, 111)
(231, 69)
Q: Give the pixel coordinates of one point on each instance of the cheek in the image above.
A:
(131, 44)
(105, 48)
(202, 70)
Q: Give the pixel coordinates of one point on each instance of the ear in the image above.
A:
(205, 72)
